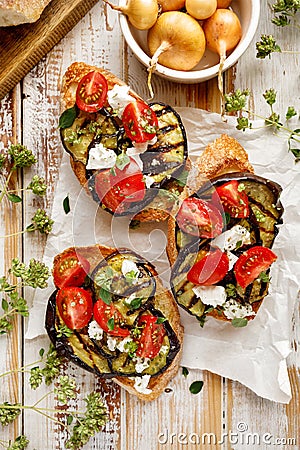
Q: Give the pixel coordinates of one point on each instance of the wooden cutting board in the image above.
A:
(22, 46)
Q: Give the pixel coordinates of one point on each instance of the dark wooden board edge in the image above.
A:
(23, 46)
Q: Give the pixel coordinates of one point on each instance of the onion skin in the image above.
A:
(171, 5)
(223, 3)
(223, 31)
(182, 40)
(201, 9)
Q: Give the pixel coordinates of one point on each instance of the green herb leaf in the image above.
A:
(14, 198)
(161, 320)
(66, 205)
(135, 303)
(264, 277)
(185, 372)
(239, 322)
(105, 296)
(4, 305)
(67, 118)
(111, 323)
(196, 387)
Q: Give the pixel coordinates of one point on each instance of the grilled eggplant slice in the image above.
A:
(127, 284)
(265, 214)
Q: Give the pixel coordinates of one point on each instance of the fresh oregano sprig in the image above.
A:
(35, 274)
(80, 425)
(238, 102)
(284, 11)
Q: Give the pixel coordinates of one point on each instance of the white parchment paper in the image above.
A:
(254, 355)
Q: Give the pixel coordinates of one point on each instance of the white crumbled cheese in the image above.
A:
(211, 295)
(101, 157)
(148, 181)
(121, 345)
(95, 331)
(118, 98)
(141, 383)
(233, 310)
(230, 238)
(111, 343)
(129, 267)
(232, 259)
(141, 364)
(155, 162)
(164, 349)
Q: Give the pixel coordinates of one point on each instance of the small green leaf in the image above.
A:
(67, 118)
(239, 322)
(41, 352)
(135, 303)
(196, 387)
(264, 277)
(105, 296)
(66, 205)
(111, 323)
(70, 419)
(161, 320)
(4, 305)
(185, 372)
(14, 198)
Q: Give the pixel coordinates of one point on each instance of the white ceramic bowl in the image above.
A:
(248, 12)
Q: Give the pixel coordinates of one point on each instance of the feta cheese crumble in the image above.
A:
(148, 181)
(141, 364)
(121, 345)
(101, 157)
(229, 239)
(118, 98)
(233, 310)
(211, 295)
(141, 383)
(95, 331)
(129, 268)
(111, 343)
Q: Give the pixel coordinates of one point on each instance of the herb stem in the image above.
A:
(4, 190)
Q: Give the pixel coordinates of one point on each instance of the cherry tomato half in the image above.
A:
(199, 218)
(251, 263)
(151, 338)
(75, 306)
(103, 313)
(70, 269)
(209, 270)
(117, 188)
(140, 121)
(235, 202)
(91, 92)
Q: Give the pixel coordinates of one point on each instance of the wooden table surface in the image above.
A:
(29, 114)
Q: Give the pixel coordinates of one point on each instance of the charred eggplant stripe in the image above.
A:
(265, 211)
(164, 147)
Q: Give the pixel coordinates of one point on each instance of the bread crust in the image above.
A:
(164, 301)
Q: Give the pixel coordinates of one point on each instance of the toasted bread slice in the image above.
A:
(163, 302)
(225, 162)
(152, 210)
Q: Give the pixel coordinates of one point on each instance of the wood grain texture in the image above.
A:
(23, 46)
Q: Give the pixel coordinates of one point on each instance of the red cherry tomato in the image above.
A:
(140, 121)
(104, 313)
(251, 263)
(91, 92)
(199, 218)
(117, 188)
(235, 202)
(209, 270)
(70, 269)
(75, 306)
(151, 338)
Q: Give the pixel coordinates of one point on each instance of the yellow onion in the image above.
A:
(142, 14)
